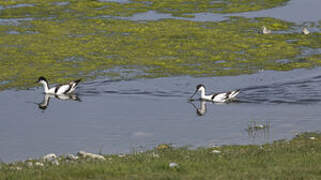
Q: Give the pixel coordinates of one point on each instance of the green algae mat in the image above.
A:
(70, 39)
(64, 8)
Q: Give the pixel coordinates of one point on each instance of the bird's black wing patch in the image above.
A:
(57, 88)
(228, 94)
(213, 96)
(67, 90)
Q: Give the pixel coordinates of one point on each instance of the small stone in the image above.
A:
(29, 164)
(39, 164)
(312, 138)
(16, 168)
(213, 146)
(154, 155)
(261, 126)
(216, 151)
(71, 157)
(49, 157)
(90, 155)
(173, 164)
(55, 162)
(121, 155)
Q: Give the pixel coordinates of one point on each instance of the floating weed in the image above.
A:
(38, 8)
(256, 126)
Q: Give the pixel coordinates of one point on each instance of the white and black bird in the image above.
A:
(265, 30)
(216, 97)
(59, 89)
(305, 31)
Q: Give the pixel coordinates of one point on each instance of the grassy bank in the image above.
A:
(296, 159)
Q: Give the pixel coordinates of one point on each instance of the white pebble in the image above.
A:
(173, 164)
(312, 138)
(121, 155)
(90, 155)
(216, 151)
(260, 126)
(213, 146)
(29, 164)
(49, 157)
(39, 164)
(155, 155)
(55, 162)
(71, 157)
(16, 168)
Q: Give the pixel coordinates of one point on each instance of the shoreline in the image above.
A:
(294, 159)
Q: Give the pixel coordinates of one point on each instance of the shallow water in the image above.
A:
(298, 11)
(122, 116)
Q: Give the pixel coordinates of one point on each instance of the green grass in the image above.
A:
(296, 159)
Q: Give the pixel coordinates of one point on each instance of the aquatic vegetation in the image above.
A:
(256, 126)
(63, 41)
(180, 8)
(71, 48)
(68, 8)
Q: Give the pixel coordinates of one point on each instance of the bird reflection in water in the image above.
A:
(202, 109)
(45, 103)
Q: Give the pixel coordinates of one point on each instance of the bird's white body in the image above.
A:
(305, 31)
(265, 30)
(60, 89)
(216, 97)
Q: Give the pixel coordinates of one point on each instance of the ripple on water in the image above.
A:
(264, 87)
(117, 116)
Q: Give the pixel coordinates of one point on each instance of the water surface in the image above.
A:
(122, 116)
(298, 11)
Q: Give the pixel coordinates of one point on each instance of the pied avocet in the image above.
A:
(305, 31)
(60, 89)
(266, 30)
(216, 97)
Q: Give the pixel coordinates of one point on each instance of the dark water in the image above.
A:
(122, 116)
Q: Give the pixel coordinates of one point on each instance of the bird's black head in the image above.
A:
(199, 86)
(41, 78)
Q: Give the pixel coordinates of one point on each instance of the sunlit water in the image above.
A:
(122, 116)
